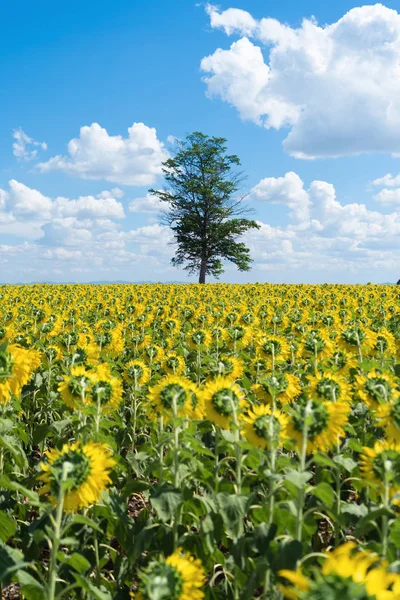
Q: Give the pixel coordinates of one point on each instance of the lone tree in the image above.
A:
(203, 212)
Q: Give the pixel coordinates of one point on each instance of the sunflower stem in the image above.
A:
(176, 466)
(385, 518)
(238, 448)
(96, 552)
(303, 454)
(161, 425)
(338, 501)
(98, 416)
(56, 537)
(134, 412)
(272, 442)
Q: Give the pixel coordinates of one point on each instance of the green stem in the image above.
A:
(134, 411)
(55, 542)
(303, 454)
(238, 449)
(96, 552)
(176, 467)
(385, 520)
(216, 458)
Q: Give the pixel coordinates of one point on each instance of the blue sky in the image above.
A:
(250, 71)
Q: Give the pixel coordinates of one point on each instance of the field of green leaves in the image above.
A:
(180, 442)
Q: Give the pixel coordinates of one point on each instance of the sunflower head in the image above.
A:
(106, 390)
(179, 577)
(285, 387)
(328, 386)
(136, 372)
(381, 465)
(264, 428)
(317, 344)
(347, 574)
(223, 399)
(173, 395)
(75, 386)
(173, 363)
(226, 366)
(321, 421)
(273, 347)
(81, 472)
(388, 417)
(376, 388)
(6, 362)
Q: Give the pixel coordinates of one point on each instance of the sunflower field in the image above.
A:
(181, 442)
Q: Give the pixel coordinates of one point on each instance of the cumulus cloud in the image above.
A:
(288, 190)
(24, 203)
(336, 87)
(95, 154)
(387, 180)
(22, 147)
(316, 211)
(389, 196)
(146, 204)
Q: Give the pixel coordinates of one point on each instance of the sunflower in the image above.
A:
(154, 354)
(353, 339)
(85, 467)
(381, 465)
(348, 574)
(199, 339)
(171, 326)
(329, 386)
(179, 577)
(376, 388)
(219, 335)
(75, 386)
(324, 421)
(385, 343)
(222, 399)
(238, 336)
(52, 354)
(173, 363)
(284, 386)
(260, 427)
(273, 348)
(16, 367)
(388, 418)
(136, 372)
(175, 393)
(317, 344)
(84, 354)
(226, 366)
(106, 389)
(341, 361)
(109, 341)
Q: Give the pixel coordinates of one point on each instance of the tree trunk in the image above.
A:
(203, 266)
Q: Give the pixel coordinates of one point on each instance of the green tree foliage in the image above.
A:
(203, 210)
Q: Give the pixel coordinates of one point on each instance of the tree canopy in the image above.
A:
(204, 213)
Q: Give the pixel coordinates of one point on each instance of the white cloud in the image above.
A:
(387, 180)
(67, 232)
(335, 240)
(389, 196)
(21, 144)
(135, 160)
(233, 20)
(288, 190)
(146, 204)
(337, 87)
(24, 203)
(90, 206)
